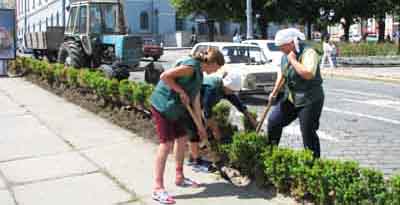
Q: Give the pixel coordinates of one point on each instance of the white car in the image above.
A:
(271, 51)
(258, 76)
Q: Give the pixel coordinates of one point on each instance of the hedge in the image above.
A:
(360, 49)
(297, 173)
(292, 172)
(136, 94)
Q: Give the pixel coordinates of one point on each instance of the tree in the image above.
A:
(379, 10)
(305, 12)
(215, 10)
(347, 12)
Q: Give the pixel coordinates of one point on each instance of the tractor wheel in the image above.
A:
(70, 54)
(155, 58)
(152, 73)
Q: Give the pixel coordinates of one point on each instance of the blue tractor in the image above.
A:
(96, 37)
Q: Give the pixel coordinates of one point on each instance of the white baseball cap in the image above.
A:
(232, 81)
(287, 35)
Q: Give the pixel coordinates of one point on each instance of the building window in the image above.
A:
(40, 25)
(33, 27)
(47, 22)
(33, 4)
(144, 21)
(51, 20)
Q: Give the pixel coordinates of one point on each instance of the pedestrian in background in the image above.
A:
(178, 88)
(334, 53)
(236, 37)
(193, 37)
(304, 95)
(327, 56)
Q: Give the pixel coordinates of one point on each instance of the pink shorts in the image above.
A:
(167, 130)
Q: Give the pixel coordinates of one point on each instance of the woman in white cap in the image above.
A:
(304, 95)
(213, 90)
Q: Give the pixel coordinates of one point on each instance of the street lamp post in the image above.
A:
(249, 11)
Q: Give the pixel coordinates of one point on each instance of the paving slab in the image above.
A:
(82, 190)
(9, 107)
(5, 198)
(25, 136)
(49, 167)
(2, 183)
(80, 127)
(132, 165)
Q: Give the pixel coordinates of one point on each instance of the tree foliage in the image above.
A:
(347, 12)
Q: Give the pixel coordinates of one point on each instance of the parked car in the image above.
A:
(152, 48)
(270, 50)
(258, 76)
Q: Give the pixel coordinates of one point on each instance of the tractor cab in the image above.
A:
(95, 17)
(96, 37)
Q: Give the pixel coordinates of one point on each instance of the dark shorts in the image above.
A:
(167, 130)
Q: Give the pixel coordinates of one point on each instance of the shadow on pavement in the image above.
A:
(220, 189)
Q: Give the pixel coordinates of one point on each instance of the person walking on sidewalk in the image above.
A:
(327, 56)
(178, 88)
(213, 90)
(335, 52)
(304, 95)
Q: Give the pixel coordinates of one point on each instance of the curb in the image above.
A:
(331, 74)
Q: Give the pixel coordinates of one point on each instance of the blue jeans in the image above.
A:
(285, 112)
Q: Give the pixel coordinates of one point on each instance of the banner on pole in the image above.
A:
(7, 34)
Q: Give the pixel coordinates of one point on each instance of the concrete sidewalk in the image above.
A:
(54, 153)
(384, 74)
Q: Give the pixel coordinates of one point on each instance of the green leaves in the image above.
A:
(109, 89)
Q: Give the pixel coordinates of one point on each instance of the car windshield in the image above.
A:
(243, 54)
(272, 47)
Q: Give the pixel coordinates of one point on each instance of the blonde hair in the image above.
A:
(212, 55)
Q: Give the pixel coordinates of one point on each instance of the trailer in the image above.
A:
(45, 44)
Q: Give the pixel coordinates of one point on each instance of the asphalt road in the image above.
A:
(360, 121)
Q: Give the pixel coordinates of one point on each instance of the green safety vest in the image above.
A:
(303, 92)
(167, 102)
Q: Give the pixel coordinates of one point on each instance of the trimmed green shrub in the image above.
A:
(245, 152)
(141, 94)
(220, 113)
(359, 49)
(72, 77)
(393, 196)
(126, 89)
(286, 169)
(248, 127)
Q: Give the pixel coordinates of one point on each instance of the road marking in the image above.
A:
(294, 130)
(353, 92)
(396, 122)
(380, 103)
